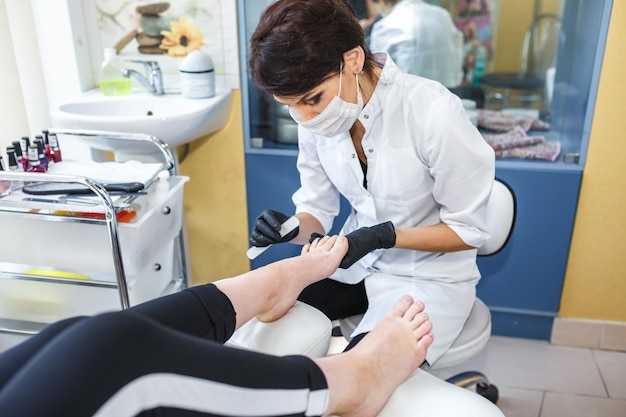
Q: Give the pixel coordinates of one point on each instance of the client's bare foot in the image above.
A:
(361, 380)
(269, 292)
(317, 261)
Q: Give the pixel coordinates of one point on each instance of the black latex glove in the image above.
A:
(365, 240)
(266, 230)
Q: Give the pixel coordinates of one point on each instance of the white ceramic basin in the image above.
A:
(171, 117)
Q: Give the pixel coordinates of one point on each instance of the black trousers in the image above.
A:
(337, 300)
(161, 358)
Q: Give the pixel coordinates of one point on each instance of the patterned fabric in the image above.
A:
(548, 151)
(502, 122)
(514, 141)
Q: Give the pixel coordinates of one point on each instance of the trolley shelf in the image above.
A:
(67, 257)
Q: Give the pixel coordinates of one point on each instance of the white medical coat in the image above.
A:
(422, 40)
(426, 164)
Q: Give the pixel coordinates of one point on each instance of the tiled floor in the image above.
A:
(535, 378)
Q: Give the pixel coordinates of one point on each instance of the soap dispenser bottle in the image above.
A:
(112, 82)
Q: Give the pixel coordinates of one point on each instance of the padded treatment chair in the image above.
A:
(312, 327)
(306, 330)
(477, 329)
(539, 51)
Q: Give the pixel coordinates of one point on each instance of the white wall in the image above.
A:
(84, 40)
(231, 43)
(15, 121)
(64, 47)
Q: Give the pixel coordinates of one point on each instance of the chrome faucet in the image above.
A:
(152, 81)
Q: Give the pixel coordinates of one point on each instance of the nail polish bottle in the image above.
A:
(14, 166)
(22, 158)
(33, 160)
(55, 150)
(25, 144)
(46, 141)
(41, 151)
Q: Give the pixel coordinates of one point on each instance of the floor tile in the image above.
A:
(614, 337)
(567, 405)
(575, 332)
(612, 367)
(536, 365)
(516, 402)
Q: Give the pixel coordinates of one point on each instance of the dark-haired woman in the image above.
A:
(398, 147)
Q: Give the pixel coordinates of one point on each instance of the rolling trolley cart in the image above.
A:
(65, 254)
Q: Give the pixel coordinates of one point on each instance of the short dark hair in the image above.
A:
(300, 43)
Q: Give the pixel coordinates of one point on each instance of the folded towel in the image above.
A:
(514, 139)
(108, 172)
(502, 122)
(548, 151)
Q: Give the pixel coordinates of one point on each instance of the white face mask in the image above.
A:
(336, 118)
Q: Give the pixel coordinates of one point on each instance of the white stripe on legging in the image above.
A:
(189, 393)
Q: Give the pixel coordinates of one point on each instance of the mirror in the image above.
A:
(562, 54)
(506, 48)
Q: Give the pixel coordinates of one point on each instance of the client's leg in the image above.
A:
(122, 364)
(267, 292)
(361, 380)
(336, 299)
(199, 311)
(13, 359)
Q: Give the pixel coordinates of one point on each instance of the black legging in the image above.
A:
(338, 301)
(164, 357)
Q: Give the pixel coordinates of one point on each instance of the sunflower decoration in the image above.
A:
(183, 38)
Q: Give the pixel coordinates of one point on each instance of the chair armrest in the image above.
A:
(304, 330)
(424, 394)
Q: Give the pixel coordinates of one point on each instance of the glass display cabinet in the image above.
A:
(522, 284)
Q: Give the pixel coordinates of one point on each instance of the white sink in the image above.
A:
(171, 117)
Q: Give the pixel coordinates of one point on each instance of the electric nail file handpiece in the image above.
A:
(285, 228)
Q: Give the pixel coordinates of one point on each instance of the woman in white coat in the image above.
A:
(399, 148)
(421, 38)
